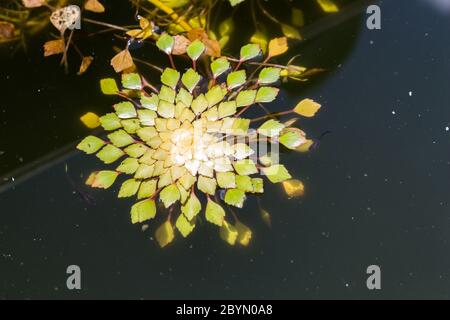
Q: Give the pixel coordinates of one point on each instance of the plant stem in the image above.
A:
(112, 26)
(279, 114)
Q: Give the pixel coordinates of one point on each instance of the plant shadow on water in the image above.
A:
(363, 203)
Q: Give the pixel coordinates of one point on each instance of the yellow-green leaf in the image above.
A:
(214, 213)
(191, 79)
(169, 195)
(110, 122)
(184, 226)
(220, 66)
(147, 189)
(250, 51)
(110, 154)
(143, 211)
(245, 98)
(269, 75)
(307, 108)
(195, 50)
(129, 188)
(207, 185)
(128, 166)
(245, 167)
(235, 197)
(271, 128)
(125, 110)
(236, 79)
(120, 138)
(170, 77)
(109, 86)
(165, 234)
(90, 144)
(131, 81)
(165, 43)
(192, 207)
(267, 94)
(277, 173)
(102, 179)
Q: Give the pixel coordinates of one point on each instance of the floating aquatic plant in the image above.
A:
(187, 145)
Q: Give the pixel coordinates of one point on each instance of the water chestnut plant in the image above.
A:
(184, 147)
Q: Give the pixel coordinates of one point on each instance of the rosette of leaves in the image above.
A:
(186, 145)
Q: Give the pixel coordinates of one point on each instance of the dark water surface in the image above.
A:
(377, 187)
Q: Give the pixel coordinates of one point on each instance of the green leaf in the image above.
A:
(236, 79)
(242, 151)
(131, 125)
(110, 154)
(143, 211)
(199, 104)
(165, 234)
(167, 94)
(226, 180)
(214, 96)
(170, 77)
(128, 166)
(150, 103)
(191, 79)
(165, 43)
(271, 128)
(258, 185)
(244, 183)
(245, 167)
(90, 144)
(207, 185)
(131, 81)
(109, 86)
(277, 173)
(214, 213)
(102, 179)
(169, 195)
(120, 138)
(185, 97)
(292, 139)
(192, 207)
(147, 189)
(269, 75)
(125, 110)
(129, 188)
(147, 117)
(187, 181)
(110, 122)
(246, 98)
(229, 233)
(220, 66)
(241, 126)
(195, 50)
(184, 226)
(266, 94)
(166, 109)
(250, 51)
(147, 133)
(144, 171)
(227, 109)
(136, 150)
(235, 197)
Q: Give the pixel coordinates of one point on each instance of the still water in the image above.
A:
(377, 188)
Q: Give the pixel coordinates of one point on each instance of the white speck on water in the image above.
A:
(446, 129)
(393, 112)
(410, 93)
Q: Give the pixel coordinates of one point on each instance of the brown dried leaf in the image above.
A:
(180, 45)
(33, 3)
(94, 6)
(54, 47)
(6, 30)
(122, 61)
(85, 64)
(65, 18)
